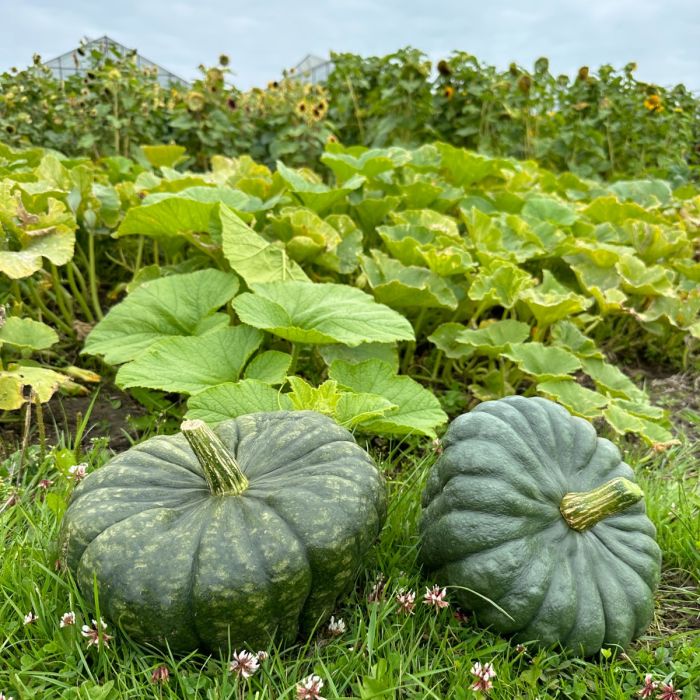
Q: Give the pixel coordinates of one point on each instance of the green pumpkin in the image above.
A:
(207, 538)
(540, 528)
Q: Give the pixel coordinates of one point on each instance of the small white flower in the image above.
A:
(94, 635)
(336, 627)
(483, 674)
(4, 697)
(406, 601)
(435, 596)
(67, 619)
(30, 618)
(310, 688)
(244, 664)
(262, 656)
(78, 471)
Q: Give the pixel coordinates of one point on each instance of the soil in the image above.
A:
(110, 418)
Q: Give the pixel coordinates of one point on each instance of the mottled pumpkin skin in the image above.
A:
(491, 523)
(175, 563)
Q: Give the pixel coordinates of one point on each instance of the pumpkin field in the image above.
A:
(385, 387)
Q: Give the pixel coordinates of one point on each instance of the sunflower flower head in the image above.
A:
(653, 103)
(194, 101)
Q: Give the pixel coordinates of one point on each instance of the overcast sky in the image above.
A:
(262, 37)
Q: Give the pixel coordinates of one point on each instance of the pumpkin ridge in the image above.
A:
(474, 503)
(513, 408)
(585, 577)
(314, 473)
(615, 557)
(641, 616)
(514, 438)
(492, 547)
(515, 479)
(154, 507)
(194, 568)
(548, 582)
(290, 465)
(613, 596)
(149, 447)
(305, 549)
(554, 586)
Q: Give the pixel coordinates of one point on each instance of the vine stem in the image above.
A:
(93, 277)
(296, 350)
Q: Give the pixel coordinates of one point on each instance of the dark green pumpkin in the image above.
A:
(528, 508)
(256, 535)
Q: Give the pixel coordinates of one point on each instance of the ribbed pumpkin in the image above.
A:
(528, 508)
(235, 534)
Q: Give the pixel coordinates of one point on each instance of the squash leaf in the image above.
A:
(27, 334)
(542, 361)
(253, 257)
(233, 399)
(190, 364)
(270, 367)
(399, 286)
(178, 305)
(320, 313)
(570, 394)
(417, 410)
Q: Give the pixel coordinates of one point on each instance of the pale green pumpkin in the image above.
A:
(528, 509)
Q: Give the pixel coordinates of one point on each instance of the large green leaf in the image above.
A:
(205, 194)
(612, 380)
(418, 245)
(417, 410)
(171, 306)
(491, 340)
(46, 231)
(270, 367)
(499, 284)
(372, 210)
(355, 408)
(190, 364)
(386, 352)
(446, 338)
(321, 313)
(549, 209)
(233, 399)
(315, 195)
(27, 333)
(168, 155)
(465, 168)
(569, 336)
(637, 278)
(579, 400)
(359, 161)
(551, 301)
(401, 286)
(624, 421)
(168, 216)
(253, 257)
(541, 361)
(438, 224)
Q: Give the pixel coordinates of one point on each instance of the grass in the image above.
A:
(382, 654)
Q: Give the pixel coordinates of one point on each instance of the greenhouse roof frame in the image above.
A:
(72, 63)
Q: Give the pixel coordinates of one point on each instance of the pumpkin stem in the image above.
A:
(222, 472)
(583, 510)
